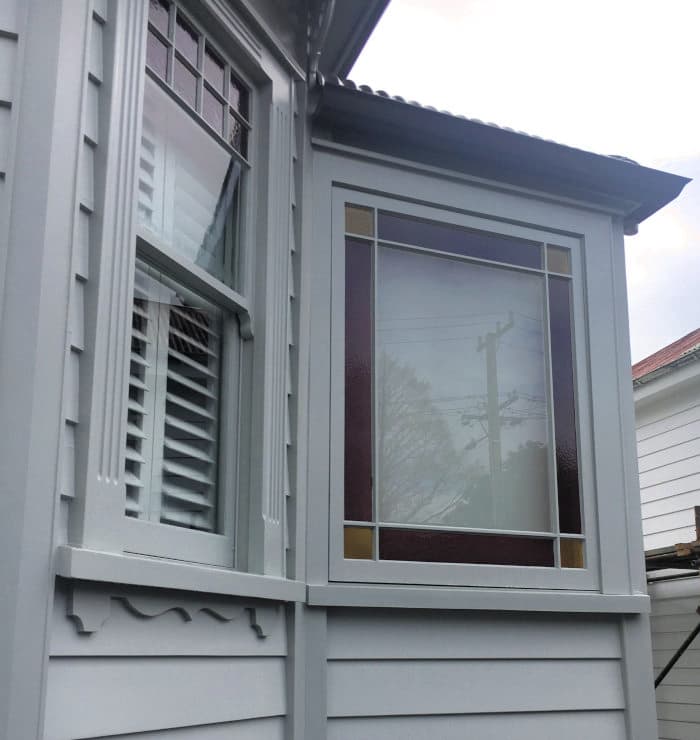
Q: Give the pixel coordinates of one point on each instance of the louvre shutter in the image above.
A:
(171, 443)
(190, 420)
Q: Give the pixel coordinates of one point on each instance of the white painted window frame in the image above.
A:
(345, 174)
(97, 520)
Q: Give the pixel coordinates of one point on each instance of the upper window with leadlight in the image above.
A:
(190, 302)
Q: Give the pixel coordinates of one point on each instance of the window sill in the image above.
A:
(137, 570)
(436, 597)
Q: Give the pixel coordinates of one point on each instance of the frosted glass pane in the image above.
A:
(188, 186)
(461, 394)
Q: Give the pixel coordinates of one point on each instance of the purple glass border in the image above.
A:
(358, 380)
(457, 240)
(564, 402)
(433, 546)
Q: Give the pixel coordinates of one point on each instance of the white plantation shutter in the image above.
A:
(172, 432)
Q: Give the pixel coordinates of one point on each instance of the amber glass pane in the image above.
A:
(358, 542)
(186, 40)
(359, 220)
(157, 55)
(430, 546)
(571, 553)
(454, 239)
(558, 260)
(185, 83)
(158, 15)
(214, 70)
(358, 380)
(213, 110)
(564, 404)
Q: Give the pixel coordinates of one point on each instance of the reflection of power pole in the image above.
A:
(489, 343)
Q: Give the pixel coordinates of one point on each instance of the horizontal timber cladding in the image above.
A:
(532, 726)
(271, 728)
(95, 697)
(151, 661)
(673, 616)
(495, 675)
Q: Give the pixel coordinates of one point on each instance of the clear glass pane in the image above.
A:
(461, 394)
(157, 55)
(172, 432)
(213, 111)
(158, 11)
(214, 70)
(186, 40)
(185, 83)
(188, 186)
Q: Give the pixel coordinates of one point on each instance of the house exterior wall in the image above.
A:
(102, 643)
(668, 445)
(674, 615)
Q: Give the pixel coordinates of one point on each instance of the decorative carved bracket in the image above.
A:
(90, 606)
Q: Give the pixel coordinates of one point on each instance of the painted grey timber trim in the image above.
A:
(32, 344)
(477, 599)
(99, 504)
(91, 565)
(89, 606)
(640, 713)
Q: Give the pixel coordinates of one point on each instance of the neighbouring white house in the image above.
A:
(317, 411)
(667, 408)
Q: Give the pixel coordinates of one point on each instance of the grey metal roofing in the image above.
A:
(360, 116)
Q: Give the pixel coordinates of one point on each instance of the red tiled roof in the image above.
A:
(667, 355)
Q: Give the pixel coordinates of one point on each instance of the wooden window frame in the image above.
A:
(513, 576)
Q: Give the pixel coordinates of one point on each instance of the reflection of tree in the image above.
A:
(424, 477)
(420, 471)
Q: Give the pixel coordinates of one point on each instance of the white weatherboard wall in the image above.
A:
(668, 446)
(452, 675)
(673, 616)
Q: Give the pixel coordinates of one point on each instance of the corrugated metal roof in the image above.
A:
(352, 85)
(667, 356)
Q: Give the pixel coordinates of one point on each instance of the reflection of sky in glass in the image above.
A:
(434, 465)
(184, 192)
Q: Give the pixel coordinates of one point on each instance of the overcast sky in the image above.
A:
(610, 76)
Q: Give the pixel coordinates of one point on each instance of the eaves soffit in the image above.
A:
(358, 116)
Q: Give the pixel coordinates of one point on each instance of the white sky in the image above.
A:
(610, 76)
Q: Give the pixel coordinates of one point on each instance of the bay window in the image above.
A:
(460, 423)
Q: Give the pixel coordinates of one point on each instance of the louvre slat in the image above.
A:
(182, 471)
(138, 360)
(137, 383)
(132, 507)
(133, 431)
(188, 406)
(132, 480)
(135, 406)
(185, 495)
(182, 380)
(136, 334)
(191, 363)
(188, 427)
(191, 341)
(185, 519)
(133, 455)
(190, 451)
(190, 317)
